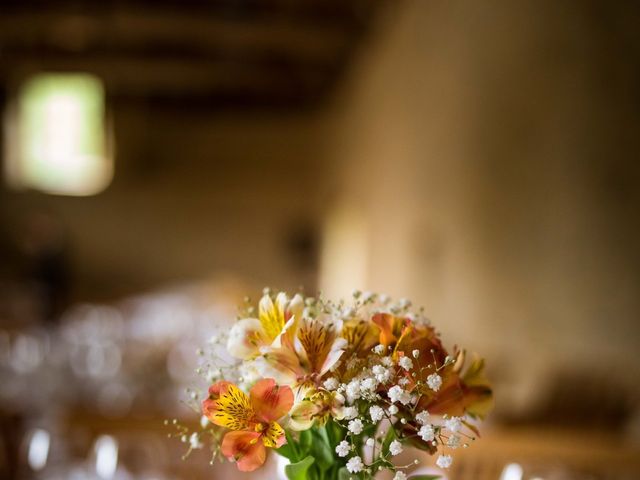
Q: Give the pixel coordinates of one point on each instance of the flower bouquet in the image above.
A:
(340, 389)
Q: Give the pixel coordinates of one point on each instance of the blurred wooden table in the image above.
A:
(548, 453)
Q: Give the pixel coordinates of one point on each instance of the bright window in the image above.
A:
(57, 137)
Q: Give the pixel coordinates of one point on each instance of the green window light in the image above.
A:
(57, 136)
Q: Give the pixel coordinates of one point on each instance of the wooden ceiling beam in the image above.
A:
(172, 75)
(82, 32)
(347, 13)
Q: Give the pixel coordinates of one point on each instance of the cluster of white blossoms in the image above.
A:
(380, 412)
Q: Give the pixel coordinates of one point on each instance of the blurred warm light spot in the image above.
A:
(57, 137)
(344, 254)
(512, 471)
(38, 449)
(106, 450)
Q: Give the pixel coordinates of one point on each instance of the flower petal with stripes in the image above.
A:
(270, 401)
(272, 315)
(318, 339)
(228, 406)
(273, 436)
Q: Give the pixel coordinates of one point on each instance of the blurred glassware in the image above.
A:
(38, 451)
(106, 457)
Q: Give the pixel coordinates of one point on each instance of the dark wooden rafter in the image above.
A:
(264, 50)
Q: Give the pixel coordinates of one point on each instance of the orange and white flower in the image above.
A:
(251, 418)
(303, 360)
(250, 335)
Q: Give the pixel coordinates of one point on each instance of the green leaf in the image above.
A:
(321, 450)
(298, 471)
(336, 432)
(294, 447)
(305, 442)
(288, 451)
(424, 477)
(343, 474)
(323, 433)
(369, 430)
(389, 437)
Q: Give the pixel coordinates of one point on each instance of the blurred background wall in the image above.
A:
(194, 194)
(488, 158)
(480, 159)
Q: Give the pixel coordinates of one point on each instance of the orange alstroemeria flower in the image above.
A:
(392, 329)
(405, 335)
(461, 392)
(252, 419)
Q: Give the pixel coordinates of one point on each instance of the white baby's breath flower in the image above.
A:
(397, 394)
(379, 349)
(370, 442)
(404, 303)
(415, 353)
(406, 363)
(426, 433)
(394, 393)
(444, 461)
(434, 381)
(387, 361)
(204, 421)
(422, 417)
(453, 441)
(355, 465)
(406, 398)
(356, 426)
(393, 409)
(403, 382)
(453, 424)
(395, 448)
(331, 383)
(194, 441)
(343, 448)
(368, 384)
(382, 374)
(400, 476)
(353, 391)
(350, 413)
(376, 413)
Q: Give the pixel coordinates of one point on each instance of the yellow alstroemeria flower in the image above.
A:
(361, 336)
(250, 335)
